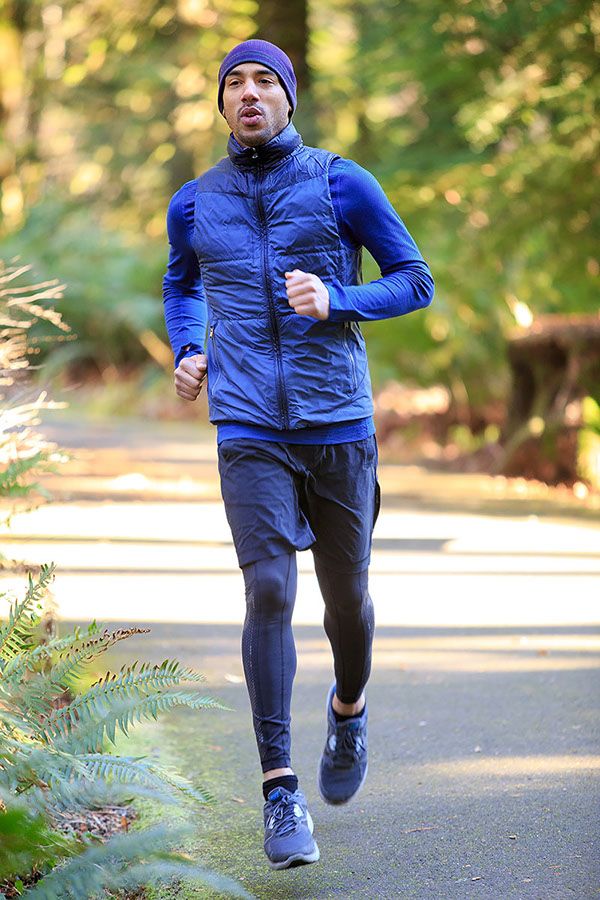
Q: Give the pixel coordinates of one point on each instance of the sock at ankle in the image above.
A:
(339, 717)
(289, 782)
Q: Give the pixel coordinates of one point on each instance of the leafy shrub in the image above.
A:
(52, 757)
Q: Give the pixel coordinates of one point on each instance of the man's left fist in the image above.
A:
(307, 295)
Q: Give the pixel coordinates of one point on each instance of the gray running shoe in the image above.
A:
(288, 830)
(343, 765)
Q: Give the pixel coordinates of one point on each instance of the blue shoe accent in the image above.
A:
(343, 765)
(288, 830)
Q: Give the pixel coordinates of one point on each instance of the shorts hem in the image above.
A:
(342, 568)
(270, 553)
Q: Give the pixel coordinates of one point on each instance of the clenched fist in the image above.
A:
(307, 295)
(189, 375)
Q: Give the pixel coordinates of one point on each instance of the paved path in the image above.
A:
(485, 693)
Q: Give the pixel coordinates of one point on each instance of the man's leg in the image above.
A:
(343, 504)
(269, 657)
(349, 623)
(258, 483)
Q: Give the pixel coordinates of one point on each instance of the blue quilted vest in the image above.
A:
(259, 213)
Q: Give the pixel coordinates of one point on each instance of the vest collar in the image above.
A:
(267, 154)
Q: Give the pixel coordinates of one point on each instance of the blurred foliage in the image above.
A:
(479, 117)
(589, 442)
(111, 304)
(481, 120)
(113, 102)
(24, 453)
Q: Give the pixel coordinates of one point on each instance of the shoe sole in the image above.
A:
(330, 802)
(298, 859)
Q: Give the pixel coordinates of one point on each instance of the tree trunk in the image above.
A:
(286, 24)
(554, 365)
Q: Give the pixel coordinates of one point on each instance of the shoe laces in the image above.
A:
(349, 743)
(283, 818)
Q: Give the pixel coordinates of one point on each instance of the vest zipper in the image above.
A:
(213, 340)
(262, 219)
(347, 327)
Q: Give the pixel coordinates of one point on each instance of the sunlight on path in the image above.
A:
(165, 552)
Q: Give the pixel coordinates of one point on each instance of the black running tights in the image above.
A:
(269, 652)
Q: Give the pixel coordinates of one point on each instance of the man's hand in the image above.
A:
(307, 295)
(189, 375)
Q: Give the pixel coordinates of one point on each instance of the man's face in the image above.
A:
(255, 104)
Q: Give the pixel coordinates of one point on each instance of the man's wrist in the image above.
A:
(188, 350)
(336, 314)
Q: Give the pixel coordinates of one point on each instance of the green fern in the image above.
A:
(14, 480)
(89, 719)
(27, 841)
(72, 664)
(133, 770)
(126, 862)
(51, 758)
(15, 668)
(16, 636)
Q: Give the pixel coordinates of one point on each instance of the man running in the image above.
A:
(263, 294)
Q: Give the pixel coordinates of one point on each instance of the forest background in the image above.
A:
(479, 118)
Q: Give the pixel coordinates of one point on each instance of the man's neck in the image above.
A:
(260, 143)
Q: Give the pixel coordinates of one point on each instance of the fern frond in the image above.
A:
(27, 840)
(87, 723)
(16, 723)
(127, 861)
(72, 666)
(60, 772)
(131, 681)
(81, 793)
(130, 770)
(180, 868)
(16, 667)
(34, 697)
(10, 477)
(17, 633)
(37, 765)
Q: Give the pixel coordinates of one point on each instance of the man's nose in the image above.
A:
(250, 91)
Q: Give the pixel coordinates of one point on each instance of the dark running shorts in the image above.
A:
(285, 497)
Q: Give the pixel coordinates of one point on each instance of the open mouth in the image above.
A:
(251, 116)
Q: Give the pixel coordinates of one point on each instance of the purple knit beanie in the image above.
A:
(260, 52)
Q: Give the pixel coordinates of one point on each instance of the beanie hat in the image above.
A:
(260, 52)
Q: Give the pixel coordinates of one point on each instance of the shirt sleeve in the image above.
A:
(183, 293)
(366, 218)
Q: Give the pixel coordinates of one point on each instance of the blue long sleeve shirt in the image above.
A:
(365, 218)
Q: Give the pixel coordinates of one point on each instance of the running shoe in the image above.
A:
(288, 830)
(343, 765)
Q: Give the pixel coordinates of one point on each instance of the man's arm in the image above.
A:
(183, 293)
(366, 218)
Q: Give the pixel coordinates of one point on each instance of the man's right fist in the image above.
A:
(189, 375)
